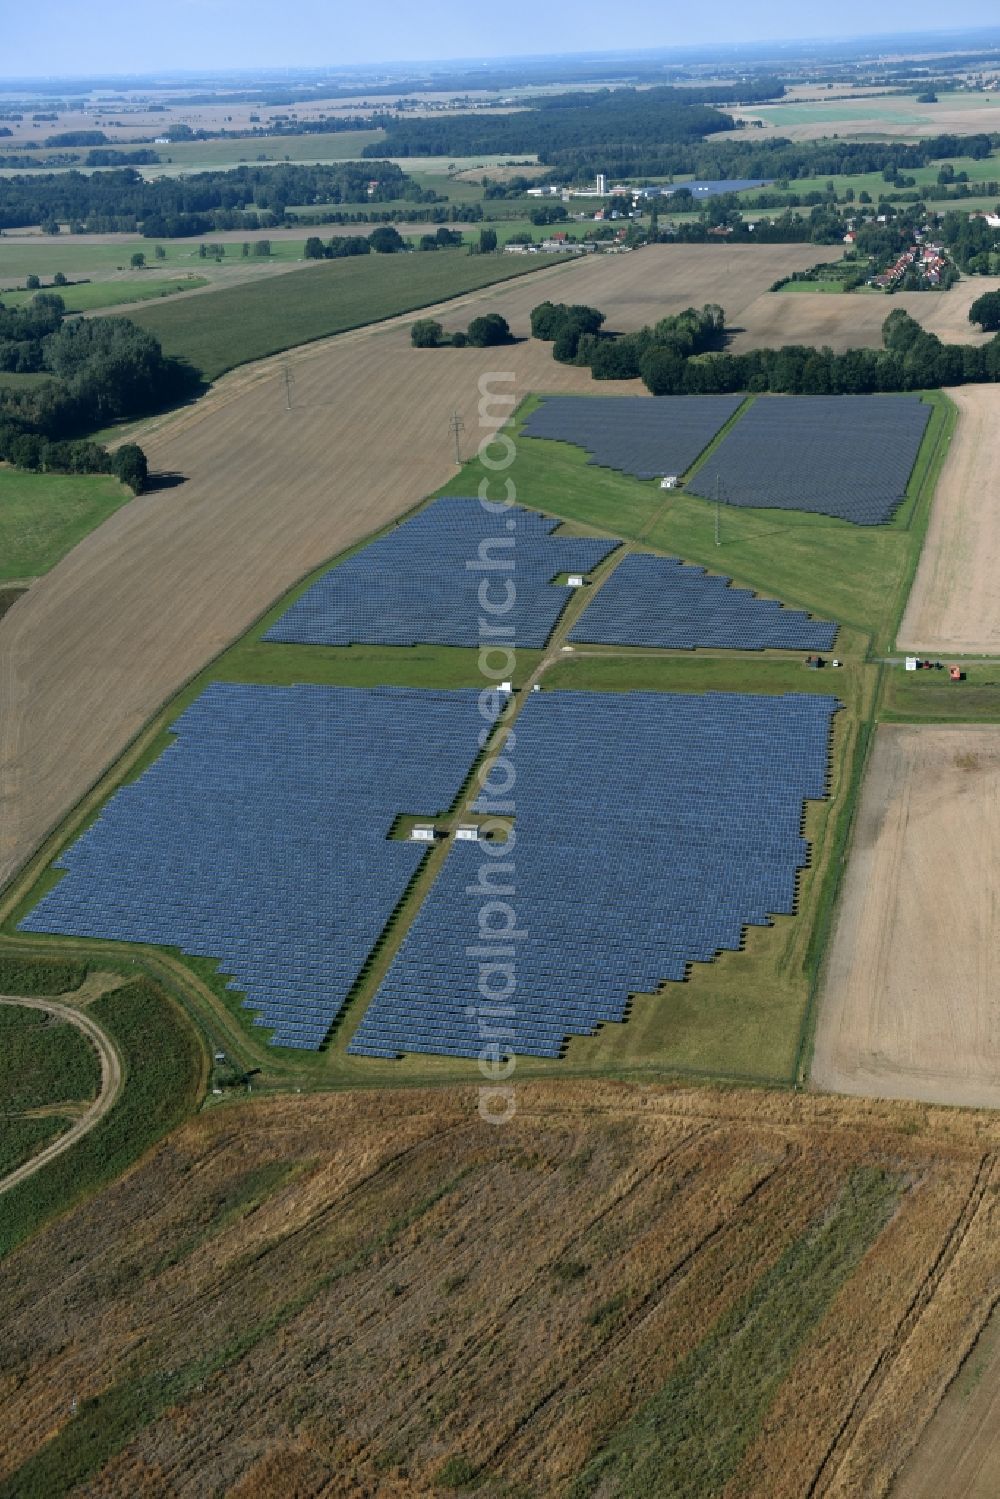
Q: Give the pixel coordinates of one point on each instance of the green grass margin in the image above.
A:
(165, 1066)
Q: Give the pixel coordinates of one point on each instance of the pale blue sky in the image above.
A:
(72, 36)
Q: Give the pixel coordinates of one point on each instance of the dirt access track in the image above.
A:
(91, 652)
(954, 605)
(959, 1451)
(107, 1096)
(909, 1002)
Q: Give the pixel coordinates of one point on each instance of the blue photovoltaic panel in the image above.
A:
(846, 456)
(420, 583)
(260, 839)
(714, 189)
(662, 603)
(650, 830)
(646, 436)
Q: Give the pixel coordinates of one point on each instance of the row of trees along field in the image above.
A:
(683, 355)
(746, 155)
(244, 197)
(98, 370)
(484, 332)
(384, 241)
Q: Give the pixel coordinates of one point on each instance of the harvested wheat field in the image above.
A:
(954, 605)
(854, 320)
(102, 641)
(909, 1003)
(643, 1291)
(643, 285)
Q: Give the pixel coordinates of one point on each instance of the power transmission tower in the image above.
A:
(457, 427)
(289, 386)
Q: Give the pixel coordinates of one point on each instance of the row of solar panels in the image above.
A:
(661, 602)
(844, 456)
(650, 832)
(260, 838)
(650, 829)
(436, 578)
(423, 582)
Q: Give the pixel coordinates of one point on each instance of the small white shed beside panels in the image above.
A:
(911, 663)
(422, 833)
(575, 580)
(468, 833)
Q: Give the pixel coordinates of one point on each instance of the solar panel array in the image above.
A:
(648, 437)
(712, 189)
(847, 456)
(651, 828)
(664, 603)
(259, 838)
(420, 583)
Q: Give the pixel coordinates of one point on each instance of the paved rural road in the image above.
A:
(111, 1085)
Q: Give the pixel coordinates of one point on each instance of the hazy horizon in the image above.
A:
(58, 39)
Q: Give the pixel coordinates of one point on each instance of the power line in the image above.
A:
(457, 427)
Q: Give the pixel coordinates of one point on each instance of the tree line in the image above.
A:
(386, 240)
(38, 454)
(657, 132)
(98, 370)
(484, 332)
(683, 355)
(124, 201)
(606, 121)
(750, 155)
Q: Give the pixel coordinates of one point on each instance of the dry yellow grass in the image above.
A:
(908, 1006)
(344, 1294)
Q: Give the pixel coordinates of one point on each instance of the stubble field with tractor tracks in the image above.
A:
(620, 1290)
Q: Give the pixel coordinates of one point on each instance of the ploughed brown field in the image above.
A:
(621, 1290)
